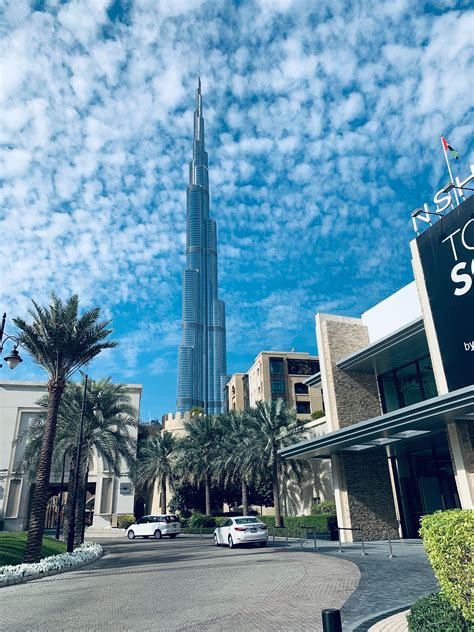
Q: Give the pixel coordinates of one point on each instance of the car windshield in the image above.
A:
(246, 521)
(171, 519)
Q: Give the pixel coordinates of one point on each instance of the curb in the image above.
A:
(364, 625)
(38, 575)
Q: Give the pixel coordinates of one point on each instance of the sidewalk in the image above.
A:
(386, 584)
(395, 623)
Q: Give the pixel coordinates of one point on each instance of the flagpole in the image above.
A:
(450, 172)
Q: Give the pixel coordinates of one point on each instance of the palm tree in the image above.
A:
(274, 427)
(155, 462)
(198, 452)
(61, 342)
(237, 460)
(106, 434)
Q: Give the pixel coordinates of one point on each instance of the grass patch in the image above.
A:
(13, 546)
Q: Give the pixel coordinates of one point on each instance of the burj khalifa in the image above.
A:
(202, 353)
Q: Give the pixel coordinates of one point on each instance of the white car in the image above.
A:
(241, 530)
(155, 527)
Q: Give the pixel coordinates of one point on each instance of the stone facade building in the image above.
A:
(398, 388)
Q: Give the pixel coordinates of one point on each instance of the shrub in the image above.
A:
(448, 538)
(198, 520)
(123, 522)
(317, 414)
(324, 524)
(435, 613)
(326, 507)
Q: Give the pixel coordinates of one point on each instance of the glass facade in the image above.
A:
(407, 385)
(202, 353)
(424, 482)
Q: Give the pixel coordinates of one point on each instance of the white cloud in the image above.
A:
(322, 128)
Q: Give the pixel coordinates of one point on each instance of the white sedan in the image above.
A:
(241, 530)
(155, 527)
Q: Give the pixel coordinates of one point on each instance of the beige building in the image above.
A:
(277, 375)
(107, 495)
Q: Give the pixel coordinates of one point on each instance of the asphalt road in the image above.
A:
(185, 584)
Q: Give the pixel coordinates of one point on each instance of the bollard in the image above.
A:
(391, 555)
(301, 538)
(362, 542)
(315, 541)
(286, 536)
(332, 620)
(340, 543)
(274, 535)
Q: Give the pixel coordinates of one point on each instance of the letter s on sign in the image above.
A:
(465, 279)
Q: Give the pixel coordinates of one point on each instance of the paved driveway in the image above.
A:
(185, 584)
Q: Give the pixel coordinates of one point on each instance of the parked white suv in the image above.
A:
(154, 527)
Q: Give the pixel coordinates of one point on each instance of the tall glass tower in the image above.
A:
(202, 353)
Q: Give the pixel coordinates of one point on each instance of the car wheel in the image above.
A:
(231, 542)
(131, 535)
(262, 544)
(173, 535)
(216, 541)
(157, 534)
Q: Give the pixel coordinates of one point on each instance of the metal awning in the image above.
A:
(426, 417)
(401, 347)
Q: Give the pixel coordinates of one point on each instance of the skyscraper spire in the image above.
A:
(202, 353)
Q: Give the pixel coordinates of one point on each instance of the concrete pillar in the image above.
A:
(461, 444)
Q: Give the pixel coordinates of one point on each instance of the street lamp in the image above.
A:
(72, 525)
(96, 410)
(14, 359)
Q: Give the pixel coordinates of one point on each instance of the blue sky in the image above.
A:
(322, 126)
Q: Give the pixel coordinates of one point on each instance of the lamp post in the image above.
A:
(14, 359)
(72, 524)
(60, 500)
(96, 410)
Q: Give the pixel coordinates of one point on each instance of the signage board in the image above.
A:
(446, 252)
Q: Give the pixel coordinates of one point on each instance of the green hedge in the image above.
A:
(434, 613)
(322, 523)
(448, 538)
(123, 522)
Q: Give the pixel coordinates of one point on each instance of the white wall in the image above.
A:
(394, 312)
(17, 407)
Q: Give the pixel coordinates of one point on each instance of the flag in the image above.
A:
(447, 147)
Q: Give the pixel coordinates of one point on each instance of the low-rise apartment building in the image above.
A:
(277, 375)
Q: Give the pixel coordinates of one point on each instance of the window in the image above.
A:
(246, 521)
(303, 408)
(143, 520)
(301, 389)
(302, 367)
(278, 387)
(276, 366)
(407, 385)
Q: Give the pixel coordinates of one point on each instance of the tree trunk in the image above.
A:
(245, 498)
(70, 493)
(276, 494)
(207, 489)
(81, 498)
(41, 493)
(163, 494)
